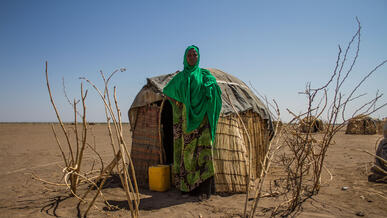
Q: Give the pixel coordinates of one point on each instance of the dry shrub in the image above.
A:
(73, 173)
(300, 154)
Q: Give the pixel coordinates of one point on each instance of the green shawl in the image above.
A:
(198, 90)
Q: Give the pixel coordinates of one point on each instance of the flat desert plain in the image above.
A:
(28, 149)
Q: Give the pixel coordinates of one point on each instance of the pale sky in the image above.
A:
(278, 46)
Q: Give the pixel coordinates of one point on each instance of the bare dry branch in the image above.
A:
(58, 116)
(72, 173)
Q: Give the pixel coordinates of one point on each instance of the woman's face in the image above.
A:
(192, 57)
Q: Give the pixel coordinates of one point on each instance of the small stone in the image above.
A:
(362, 197)
(360, 213)
(344, 188)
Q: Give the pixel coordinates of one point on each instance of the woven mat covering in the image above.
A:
(231, 155)
(145, 143)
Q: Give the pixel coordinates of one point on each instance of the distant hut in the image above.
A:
(379, 125)
(311, 124)
(361, 125)
(150, 118)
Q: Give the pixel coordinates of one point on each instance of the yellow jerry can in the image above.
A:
(159, 178)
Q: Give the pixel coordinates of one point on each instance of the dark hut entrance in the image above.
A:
(167, 132)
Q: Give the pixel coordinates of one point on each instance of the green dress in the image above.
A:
(195, 117)
(192, 151)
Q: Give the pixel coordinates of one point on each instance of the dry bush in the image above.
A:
(299, 152)
(304, 152)
(74, 175)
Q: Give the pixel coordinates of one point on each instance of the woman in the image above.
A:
(196, 101)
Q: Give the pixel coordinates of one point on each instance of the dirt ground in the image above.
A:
(31, 148)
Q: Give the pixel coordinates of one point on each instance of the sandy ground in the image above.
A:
(31, 148)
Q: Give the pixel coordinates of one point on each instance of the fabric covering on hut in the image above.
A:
(361, 125)
(311, 124)
(151, 121)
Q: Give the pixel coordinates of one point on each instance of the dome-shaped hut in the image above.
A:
(311, 124)
(379, 125)
(361, 125)
(150, 118)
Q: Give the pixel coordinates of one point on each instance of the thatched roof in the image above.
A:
(240, 94)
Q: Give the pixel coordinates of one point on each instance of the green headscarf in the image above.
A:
(198, 90)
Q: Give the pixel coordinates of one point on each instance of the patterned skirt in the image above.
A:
(192, 151)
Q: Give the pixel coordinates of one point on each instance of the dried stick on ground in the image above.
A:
(376, 156)
(104, 175)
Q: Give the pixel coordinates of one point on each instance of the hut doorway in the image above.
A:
(167, 131)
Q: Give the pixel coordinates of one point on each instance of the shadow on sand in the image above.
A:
(150, 200)
(156, 200)
(52, 206)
